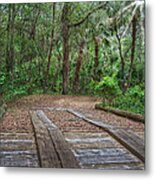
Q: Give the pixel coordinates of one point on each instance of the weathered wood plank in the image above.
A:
(81, 135)
(19, 160)
(47, 154)
(19, 136)
(66, 156)
(137, 139)
(130, 115)
(105, 156)
(19, 146)
(96, 122)
(115, 166)
(18, 150)
(106, 160)
(131, 141)
(140, 134)
(105, 152)
(93, 143)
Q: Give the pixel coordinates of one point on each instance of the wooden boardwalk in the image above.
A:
(18, 150)
(48, 147)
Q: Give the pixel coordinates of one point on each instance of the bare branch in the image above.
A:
(88, 14)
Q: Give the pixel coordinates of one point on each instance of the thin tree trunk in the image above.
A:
(77, 70)
(10, 41)
(122, 60)
(134, 31)
(34, 23)
(96, 57)
(65, 36)
(33, 31)
(51, 45)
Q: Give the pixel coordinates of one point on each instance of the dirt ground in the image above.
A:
(17, 118)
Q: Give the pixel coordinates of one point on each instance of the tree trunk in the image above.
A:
(134, 31)
(96, 58)
(77, 70)
(10, 41)
(51, 46)
(33, 26)
(65, 36)
(33, 31)
(122, 61)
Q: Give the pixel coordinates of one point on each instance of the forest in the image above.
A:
(75, 48)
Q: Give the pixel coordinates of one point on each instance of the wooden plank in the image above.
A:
(47, 154)
(17, 146)
(105, 156)
(140, 134)
(20, 160)
(18, 150)
(12, 136)
(135, 139)
(91, 140)
(107, 159)
(81, 135)
(57, 109)
(94, 145)
(105, 152)
(115, 166)
(17, 141)
(68, 160)
(130, 141)
(96, 122)
(126, 114)
(16, 153)
(65, 154)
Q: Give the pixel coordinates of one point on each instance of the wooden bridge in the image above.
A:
(49, 147)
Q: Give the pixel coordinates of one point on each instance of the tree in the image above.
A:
(65, 36)
(51, 43)
(96, 57)
(10, 40)
(78, 66)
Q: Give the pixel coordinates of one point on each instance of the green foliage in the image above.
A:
(132, 100)
(107, 87)
(2, 78)
(107, 83)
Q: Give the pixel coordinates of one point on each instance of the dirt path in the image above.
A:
(17, 118)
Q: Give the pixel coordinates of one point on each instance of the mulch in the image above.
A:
(68, 122)
(16, 121)
(17, 118)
